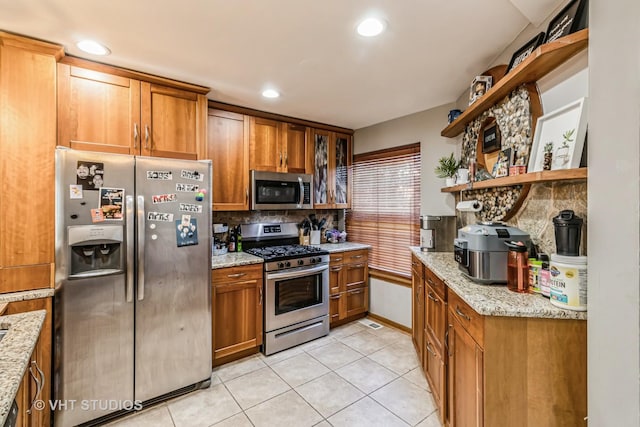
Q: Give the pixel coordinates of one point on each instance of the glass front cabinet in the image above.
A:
(332, 170)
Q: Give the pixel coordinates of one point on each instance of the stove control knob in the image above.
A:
(300, 262)
(288, 264)
(281, 265)
(312, 260)
(318, 259)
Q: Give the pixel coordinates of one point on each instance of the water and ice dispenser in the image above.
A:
(95, 250)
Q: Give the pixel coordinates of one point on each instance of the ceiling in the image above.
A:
(307, 49)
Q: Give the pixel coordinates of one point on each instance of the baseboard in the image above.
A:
(389, 322)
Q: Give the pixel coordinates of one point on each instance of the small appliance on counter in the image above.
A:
(437, 233)
(481, 253)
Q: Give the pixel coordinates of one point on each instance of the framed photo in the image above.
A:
(524, 52)
(501, 166)
(559, 138)
(570, 19)
(479, 86)
(491, 140)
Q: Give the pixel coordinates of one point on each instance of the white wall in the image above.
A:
(613, 240)
(390, 301)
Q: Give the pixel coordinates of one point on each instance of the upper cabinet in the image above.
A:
(228, 148)
(277, 146)
(27, 143)
(332, 169)
(102, 108)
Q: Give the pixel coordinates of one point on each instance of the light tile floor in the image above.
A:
(355, 376)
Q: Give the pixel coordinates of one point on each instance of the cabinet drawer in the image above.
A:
(470, 320)
(356, 275)
(417, 267)
(336, 311)
(358, 256)
(436, 283)
(336, 258)
(357, 301)
(236, 274)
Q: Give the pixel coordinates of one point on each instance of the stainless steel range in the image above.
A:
(296, 285)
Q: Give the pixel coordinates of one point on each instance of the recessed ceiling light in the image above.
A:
(270, 93)
(92, 47)
(370, 27)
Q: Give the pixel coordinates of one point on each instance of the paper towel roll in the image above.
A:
(469, 206)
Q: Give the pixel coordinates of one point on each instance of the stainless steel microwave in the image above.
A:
(277, 190)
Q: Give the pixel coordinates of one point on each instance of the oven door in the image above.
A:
(296, 295)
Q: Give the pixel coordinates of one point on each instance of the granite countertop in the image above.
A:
(491, 300)
(26, 295)
(233, 259)
(15, 352)
(346, 246)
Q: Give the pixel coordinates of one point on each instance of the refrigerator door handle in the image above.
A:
(130, 206)
(141, 230)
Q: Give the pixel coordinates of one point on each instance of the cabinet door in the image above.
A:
(264, 147)
(322, 181)
(27, 143)
(294, 143)
(356, 275)
(336, 279)
(357, 301)
(465, 378)
(237, 317)
(228, 149)
(342, 169)
(417, 305)
(98, 111)
(434, 369)
(337, 307)
(435, 316)
(173, 122)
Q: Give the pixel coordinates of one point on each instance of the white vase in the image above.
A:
(450, 181)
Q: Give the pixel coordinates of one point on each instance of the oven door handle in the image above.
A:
(298, 273)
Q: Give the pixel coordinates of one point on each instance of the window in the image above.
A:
(385, 207)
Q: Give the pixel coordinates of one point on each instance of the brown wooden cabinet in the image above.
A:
(103, 108)
(348, 285)
(277, 146)
(228, 149)
(237, 312)
(37, 380)
(417, 306)
(27, 143)
(332, 159)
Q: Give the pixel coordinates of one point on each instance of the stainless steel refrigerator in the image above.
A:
(132, 307)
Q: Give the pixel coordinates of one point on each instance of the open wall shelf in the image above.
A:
(527, 178)
(544, 59)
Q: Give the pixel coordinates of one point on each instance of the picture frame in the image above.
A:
(479, 86)
(561, 133)
(572, 17)
(502, 164)
(491, 137)
(523, 53)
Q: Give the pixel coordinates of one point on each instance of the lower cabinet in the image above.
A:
(348, 285)
(237, 312)
(37, 380)
(500, 371)
(417, 306)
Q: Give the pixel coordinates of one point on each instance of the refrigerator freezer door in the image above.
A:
(94, 333)
(173, 301)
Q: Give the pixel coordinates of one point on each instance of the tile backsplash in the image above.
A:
(251, 217)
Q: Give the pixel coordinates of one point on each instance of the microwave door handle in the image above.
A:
(301, 192)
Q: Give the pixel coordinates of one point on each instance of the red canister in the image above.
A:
(517, 267)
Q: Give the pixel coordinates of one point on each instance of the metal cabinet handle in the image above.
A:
(146, 136)
(280, 158)
(430, 350)
(336, 259)
(356, 292)
(286, 160)
(356, 256)
(431, 297)
(39, 384)
(235, 276)
(352, 267)
(135, 135)
(418, 292)
(446, 339)
(449, 347)
(337, 268)
(461, 314)
(335, 297)
(430, 282)
(260, 301)
(246, 194)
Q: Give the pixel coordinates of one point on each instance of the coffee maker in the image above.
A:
(437, 233)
